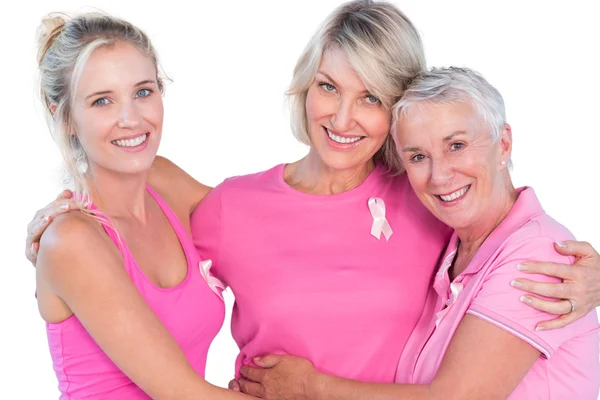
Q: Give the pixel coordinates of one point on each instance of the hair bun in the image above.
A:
(50, 27)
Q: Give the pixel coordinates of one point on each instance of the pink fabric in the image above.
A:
(192, 313)
(308, 276)
(568, 367)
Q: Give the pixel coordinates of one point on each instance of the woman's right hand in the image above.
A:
(42, 218)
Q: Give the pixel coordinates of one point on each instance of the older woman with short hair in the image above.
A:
(476, 339)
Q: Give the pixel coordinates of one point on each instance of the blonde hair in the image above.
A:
(64, 45)
(383, 47)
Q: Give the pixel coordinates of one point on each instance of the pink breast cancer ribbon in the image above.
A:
(213, 283)
(380, 224)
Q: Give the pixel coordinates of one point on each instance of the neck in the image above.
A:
(311, 175)
(472, 237)
(119, 195)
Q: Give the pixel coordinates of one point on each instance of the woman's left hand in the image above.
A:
(278, 378)
(579, 292)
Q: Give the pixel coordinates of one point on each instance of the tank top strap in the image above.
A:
(111, 231)
(180, 231)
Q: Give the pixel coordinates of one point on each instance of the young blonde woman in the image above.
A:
(129, 306)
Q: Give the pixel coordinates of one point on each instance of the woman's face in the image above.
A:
(453, 165)
(118, 110)
(347, 124)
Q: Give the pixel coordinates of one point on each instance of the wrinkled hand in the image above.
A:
(581, 285)
(234, 385)
(279, 378)
(42, 219)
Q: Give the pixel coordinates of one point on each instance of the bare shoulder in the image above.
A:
(71, 240)
(176, 186)
(68, 231)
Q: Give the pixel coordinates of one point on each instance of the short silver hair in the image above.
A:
(452, 85)
(382, 45)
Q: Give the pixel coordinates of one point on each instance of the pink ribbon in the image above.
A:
(380, 224)
(213, 283)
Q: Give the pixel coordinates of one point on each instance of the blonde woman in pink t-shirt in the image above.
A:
(330, 256)
(476, 338)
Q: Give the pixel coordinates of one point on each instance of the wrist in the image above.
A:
(318, 383)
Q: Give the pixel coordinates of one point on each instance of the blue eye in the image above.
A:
(100, 102)
(372, 99)
(328, 87)
(143, 93)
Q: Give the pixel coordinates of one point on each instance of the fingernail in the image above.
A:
(65, 206)
(540, 328)
(516, 284)
(561, 244)
(256, 359)
(525, 299)
(46, 219)
(522, 267)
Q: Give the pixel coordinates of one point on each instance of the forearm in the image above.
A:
(328, 387)
(218, 393)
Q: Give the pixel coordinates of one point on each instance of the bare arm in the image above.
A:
(185, 192)
(482, 362)
(78, 266)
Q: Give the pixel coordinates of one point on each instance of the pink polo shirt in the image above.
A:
(309, 278)
(568, 366)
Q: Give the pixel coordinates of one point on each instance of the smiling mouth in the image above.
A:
(454, 195)
(136, 141)
(342, 139)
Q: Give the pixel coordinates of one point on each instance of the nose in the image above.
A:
(343, 118)
(441, 172)
(129, 116)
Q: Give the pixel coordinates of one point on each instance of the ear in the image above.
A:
(52, 107)
(505, 147)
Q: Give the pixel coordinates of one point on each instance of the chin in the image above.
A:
(342, 161)
(133, 167)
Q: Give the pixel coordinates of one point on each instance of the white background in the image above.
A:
(231, 62)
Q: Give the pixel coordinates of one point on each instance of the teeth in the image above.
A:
(342, 140)
(455, 195)
(131, 142)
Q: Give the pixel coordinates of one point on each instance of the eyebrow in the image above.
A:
(103, 92)
(446, 139)
(328, 77)
(335, 83)
(450, 136)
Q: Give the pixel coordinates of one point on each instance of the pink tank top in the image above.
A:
(191, 311)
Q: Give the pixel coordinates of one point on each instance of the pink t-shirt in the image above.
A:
(191, 311)
(568, 367)
(309, 278)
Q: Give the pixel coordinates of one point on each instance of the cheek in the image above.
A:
(376, 124)
(316, 105)
(155, 113)
(92, 124)
(418, 178)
